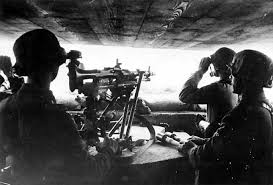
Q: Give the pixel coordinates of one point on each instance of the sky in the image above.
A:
(171, 67)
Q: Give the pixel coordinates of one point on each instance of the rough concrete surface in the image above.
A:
(184, 24)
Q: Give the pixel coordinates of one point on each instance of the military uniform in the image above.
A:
(15, 83)
(44, 143)
(240, 152)
(9, 85)
(218, 96)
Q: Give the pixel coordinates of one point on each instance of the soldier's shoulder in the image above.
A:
(257, 112)
(58, 111)
(8, 103)
(219, 86)
(267, 106)
(222, 85)
(260, 108)
(212, 87)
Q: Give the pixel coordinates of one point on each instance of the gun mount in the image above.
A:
(115, 86)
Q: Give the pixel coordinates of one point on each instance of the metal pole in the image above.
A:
(133, 109)
(115, 127)
(125, 117)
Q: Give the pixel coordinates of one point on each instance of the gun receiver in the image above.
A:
(124, 86)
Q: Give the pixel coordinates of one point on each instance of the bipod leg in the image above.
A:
(125, 117)
(115, 127)
(111, 103)
(133, 107)
(102, 124)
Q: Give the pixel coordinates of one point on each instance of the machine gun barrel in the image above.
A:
(124, 85)
(93, 74)
(83, 71)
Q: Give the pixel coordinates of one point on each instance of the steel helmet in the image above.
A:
(253, 66)
(74, 54)
(221, 61)
(37, 50)
(225, 56)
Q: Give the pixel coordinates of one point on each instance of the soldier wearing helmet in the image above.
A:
(256, 73)
(5, 72)
(218, 96)
(9, 83)
(240, 152)
(39, 141)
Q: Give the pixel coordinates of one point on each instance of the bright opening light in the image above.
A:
(172, 67)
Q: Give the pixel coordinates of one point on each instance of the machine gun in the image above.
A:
(115, 86)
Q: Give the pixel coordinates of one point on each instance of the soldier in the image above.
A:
(5, 72)
(218, 96)
(240, 152)
(39, 141)
(9, 83)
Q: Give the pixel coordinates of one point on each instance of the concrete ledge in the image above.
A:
(172, 105)
(179, 121)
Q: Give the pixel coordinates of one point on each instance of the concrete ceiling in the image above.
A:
(186, 24)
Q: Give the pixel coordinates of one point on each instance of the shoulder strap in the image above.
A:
(262, 104)
(267, 106)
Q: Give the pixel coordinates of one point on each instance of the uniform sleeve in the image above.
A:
(244, 133)
(80, 161)
(213, 150)
(190, 93)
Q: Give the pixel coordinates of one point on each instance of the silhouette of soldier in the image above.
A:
(240, 152)
(39, 141)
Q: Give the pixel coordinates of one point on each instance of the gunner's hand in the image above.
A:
(197, 140)
(204, 64)
(185, 148)
(111, 144)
